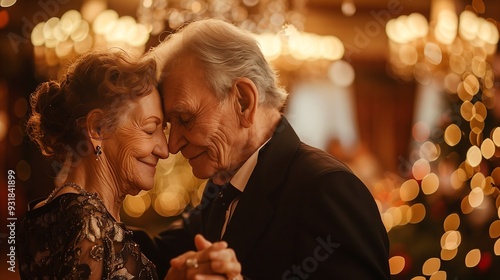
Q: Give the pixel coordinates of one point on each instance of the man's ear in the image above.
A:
(94, 125)
(247, 95)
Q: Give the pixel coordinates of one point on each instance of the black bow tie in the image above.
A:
(217, 214)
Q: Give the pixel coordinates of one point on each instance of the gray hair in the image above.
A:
(225, 53)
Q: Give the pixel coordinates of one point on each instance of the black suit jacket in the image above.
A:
(303, 215)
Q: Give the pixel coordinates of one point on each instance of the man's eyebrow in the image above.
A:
(179, 108)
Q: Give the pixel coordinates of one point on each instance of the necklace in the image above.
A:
(58, 189)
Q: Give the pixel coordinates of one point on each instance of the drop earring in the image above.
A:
(98, 152)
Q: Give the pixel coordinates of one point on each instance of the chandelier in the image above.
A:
(58, 41)
(457, 48)
(254, 15)
(276, 24)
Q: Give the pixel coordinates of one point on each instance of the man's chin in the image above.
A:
(200, 174)
(221, 178)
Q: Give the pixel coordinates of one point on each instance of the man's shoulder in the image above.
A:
(315, 158)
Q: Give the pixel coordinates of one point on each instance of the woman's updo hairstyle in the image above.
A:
(97, 80)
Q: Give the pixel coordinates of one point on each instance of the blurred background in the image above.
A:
(407, 93)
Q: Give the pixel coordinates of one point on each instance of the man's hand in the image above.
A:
(211, 262)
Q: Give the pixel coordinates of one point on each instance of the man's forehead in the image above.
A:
(176, 103)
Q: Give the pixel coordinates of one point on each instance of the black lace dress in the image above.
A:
(75, 237)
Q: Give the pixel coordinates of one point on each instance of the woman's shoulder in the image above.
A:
(95, 220)
(78, 205)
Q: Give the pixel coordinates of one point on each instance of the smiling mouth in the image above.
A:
(150, 164)
(195, 157)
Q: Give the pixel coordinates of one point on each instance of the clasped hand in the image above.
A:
(211, 262)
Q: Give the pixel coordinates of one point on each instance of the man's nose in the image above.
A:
(176, 139)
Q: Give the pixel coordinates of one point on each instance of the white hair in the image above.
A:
(225, 53)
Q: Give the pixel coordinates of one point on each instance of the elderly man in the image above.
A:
(289, 211)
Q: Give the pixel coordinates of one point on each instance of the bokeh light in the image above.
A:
(472, 258)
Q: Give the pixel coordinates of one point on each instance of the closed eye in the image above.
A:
(185, 118)
(150, 128)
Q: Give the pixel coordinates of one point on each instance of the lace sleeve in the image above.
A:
(106, 248)
(74, 237)
(85, 253)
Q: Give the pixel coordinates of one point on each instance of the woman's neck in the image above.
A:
(94, 177)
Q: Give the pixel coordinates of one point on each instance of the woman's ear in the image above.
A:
(94, 126)
(247, 95)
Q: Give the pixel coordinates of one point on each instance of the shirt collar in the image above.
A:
(240, 179)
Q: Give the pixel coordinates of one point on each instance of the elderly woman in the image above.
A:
(105, 121)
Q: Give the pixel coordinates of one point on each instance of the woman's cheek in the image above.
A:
(127, 159)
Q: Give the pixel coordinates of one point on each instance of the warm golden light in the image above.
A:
(476, 197)
(447, 255)
(471, 84)
(409, 190)
(495, 136)
(465, 206)
(420, 169)
(477, 180)
(452, 135)
(446, 27)
(438, 275)
(430, 184)
(467, 110)
(429, 151)
(417, 213)
(451, 240)
(135, 206)
(479, 66)
(495, 175)
(406, 214)
(495, 229)
(341, 73)
(477, 125)
(169, 204)
(462, 92)
(396, 214)
(396, 264)
(488, 186)
(474, 156)
(452, 222)
(408, 55)
(420, 131)
(496, 247)
(301, 46)
(37, 37)
(388, 221)
(7, 3)
(472, 258)
(456, 179)
(59, 40)
(431, 266)
(480, 110)
(433, 53)
(451, 81)
(458, 66)
(105, 22)
(269, 44)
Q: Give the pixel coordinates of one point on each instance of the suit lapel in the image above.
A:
(255, 209)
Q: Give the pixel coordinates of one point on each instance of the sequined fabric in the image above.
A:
(74, 237)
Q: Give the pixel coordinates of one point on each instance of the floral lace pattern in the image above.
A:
(74, 237)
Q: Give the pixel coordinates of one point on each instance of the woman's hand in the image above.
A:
(211, 262)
